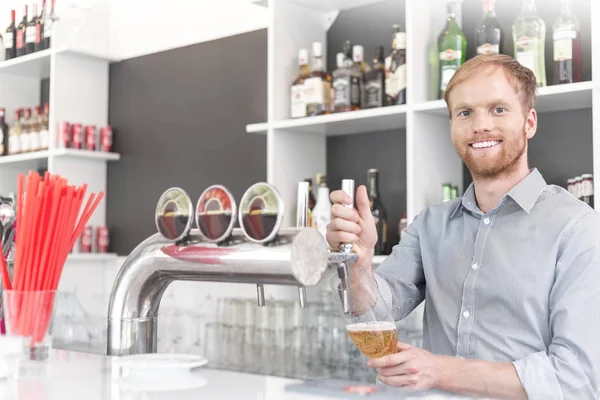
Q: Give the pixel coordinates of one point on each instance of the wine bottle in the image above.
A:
(378, 211)
(10, 38)
(21, 30)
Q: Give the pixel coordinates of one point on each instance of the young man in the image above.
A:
(510, 272)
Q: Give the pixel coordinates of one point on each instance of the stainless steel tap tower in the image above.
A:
(293, 256)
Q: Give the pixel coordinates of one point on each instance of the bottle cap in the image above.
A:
(303, 57)
(400, 40)
(587, 176)
(358, 53)
(340, 58)
(317, 49)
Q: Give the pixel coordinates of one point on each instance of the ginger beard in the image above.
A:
(499, 160)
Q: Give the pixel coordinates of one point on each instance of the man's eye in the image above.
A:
(465, 113)
(499, 110)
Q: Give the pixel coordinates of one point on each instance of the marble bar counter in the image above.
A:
(69, 375)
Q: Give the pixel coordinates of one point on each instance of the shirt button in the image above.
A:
(475, 266)
(486, 221)
(466, 314)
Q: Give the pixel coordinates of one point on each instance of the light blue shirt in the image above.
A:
(518, 284)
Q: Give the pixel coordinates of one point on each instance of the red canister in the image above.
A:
(64, 135)
(76, 136)
(102, 239)
(86, 239)
(90, 137)
(106, 139)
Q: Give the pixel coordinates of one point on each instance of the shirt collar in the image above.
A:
(525, 194)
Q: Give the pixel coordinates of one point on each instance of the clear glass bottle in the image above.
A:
(14, 134)
(358, 77)
(529, 36)
(374, 91)
(452, 46)
(26, 127)
(567, 46)
(318, 86)
(396, 78)
(297, 91)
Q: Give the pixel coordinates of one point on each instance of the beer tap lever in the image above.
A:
(346, 248)
(302, 222)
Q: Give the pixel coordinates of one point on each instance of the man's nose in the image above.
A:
(482, 122)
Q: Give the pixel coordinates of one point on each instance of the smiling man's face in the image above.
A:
(489, 126)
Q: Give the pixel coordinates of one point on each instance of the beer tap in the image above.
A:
(346, 248)
(302, 222)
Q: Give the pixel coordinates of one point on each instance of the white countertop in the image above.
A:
(75, 376)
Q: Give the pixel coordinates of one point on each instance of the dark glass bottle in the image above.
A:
(31, 32)
(311, 200)
(3, 134)
(21, 29)
(489, 34)
(567, 46)
(10, 38)
(378, 211)
(374, 91)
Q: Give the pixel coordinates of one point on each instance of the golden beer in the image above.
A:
(374, 339)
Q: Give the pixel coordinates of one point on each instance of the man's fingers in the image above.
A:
(409, 381)
(340, 211)
(362, 202)
(339, 224)
(391, 360)
(341, 237)
(406, 368)
(340, 197)
(403, 346)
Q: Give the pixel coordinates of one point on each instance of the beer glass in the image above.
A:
(369, 322)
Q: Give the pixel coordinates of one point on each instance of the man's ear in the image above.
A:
(531, 123)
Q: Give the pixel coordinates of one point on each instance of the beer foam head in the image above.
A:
(371, 326)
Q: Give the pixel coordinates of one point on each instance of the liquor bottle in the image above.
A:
(39, 28)
(14, 134)
(318, 86)
(378, 211)
(453, 192)
(529, 35)
(10, 38)
(321, 214)
(3, 133)
(21, 29)
(489, 32)
(396, 77)
(31, 32)
(357, 77)
(311, 200)
(298, 94)
(567, 46)
(587, 189)
(35, 130)
(2, 49)
(26, 126)
(452, 46)
(49, 21)
(45, 129)
(374, 90)
(341, 85)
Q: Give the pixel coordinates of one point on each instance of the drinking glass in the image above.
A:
(369, 321)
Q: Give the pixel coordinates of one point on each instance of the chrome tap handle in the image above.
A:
(301, 222)
(348, 187)
(346, 248)
(260, 292)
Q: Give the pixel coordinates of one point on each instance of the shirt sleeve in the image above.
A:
(400, 277)
(569, 369)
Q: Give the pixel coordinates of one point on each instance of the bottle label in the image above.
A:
(587, 187)
(14, 144)
(34, 141)
(396, 81)
(25, 143)
(48, 28)
(527, 59)
(9, 40)
(20, 39)
(314, 93)
(341, 91)
(450, 55)
(373, 94)
(563, 44)
(38, 33)
(355, 91)
(298, 103)
(488, 48)
(30, 35)
(44, 139)
(447, 74)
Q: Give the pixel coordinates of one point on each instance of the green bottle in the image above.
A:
(452, 46)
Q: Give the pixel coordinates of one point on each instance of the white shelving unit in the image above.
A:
(297, 148)
(77, 66)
